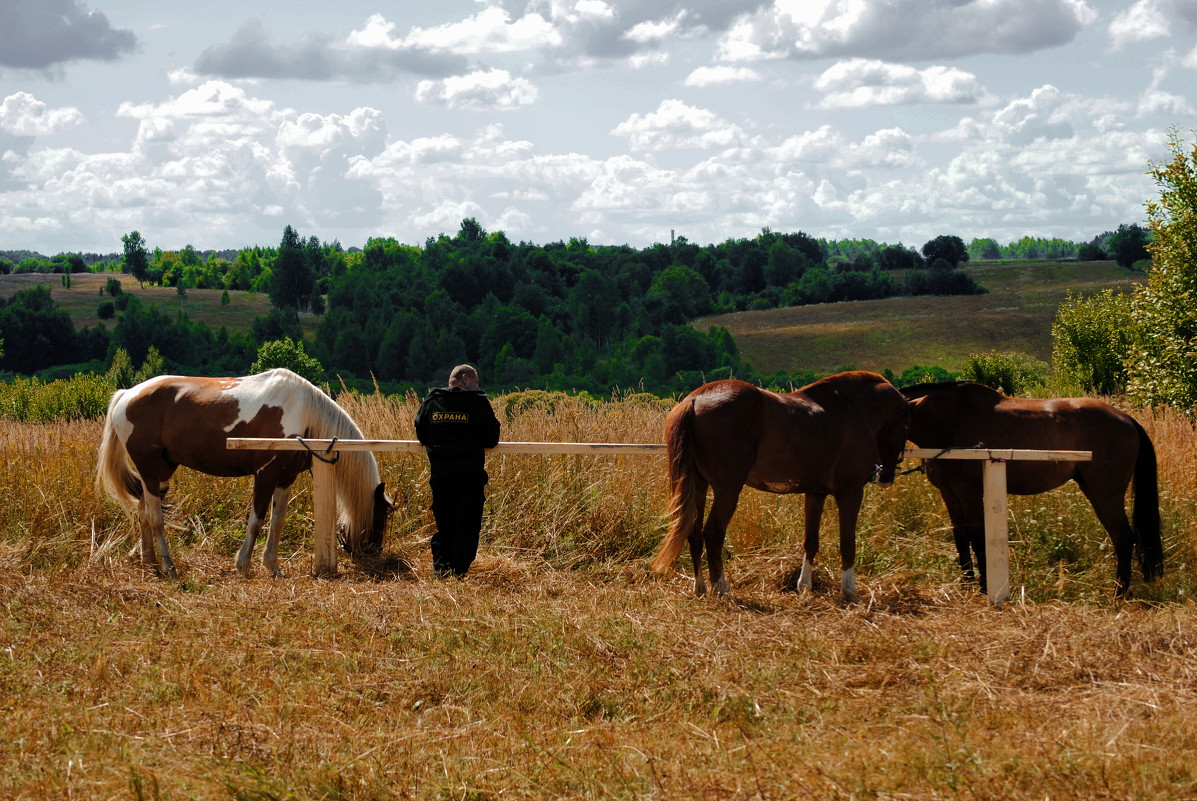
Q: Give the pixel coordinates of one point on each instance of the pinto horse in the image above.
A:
(153, 428)
(967, 414)
(829, 438)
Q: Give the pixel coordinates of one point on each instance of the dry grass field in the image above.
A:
(897, 333)
(561, 667)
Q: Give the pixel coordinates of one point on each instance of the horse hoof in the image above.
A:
(851, 597)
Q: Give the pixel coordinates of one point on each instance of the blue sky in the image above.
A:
(216, 124)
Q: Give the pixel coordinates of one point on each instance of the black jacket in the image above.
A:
(456, 426)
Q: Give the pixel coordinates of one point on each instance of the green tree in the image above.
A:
(137, 257)
(1129, 244)
(120, 370)
(1091, 337)
(292, 282)
(986, 249)
(682, 293)
(946, 247)
(290, 354)
(1162, 368)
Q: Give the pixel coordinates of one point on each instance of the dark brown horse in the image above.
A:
(153, 428)
(829, 438)
(967, 414)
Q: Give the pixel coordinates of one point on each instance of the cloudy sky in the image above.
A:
(218, 123)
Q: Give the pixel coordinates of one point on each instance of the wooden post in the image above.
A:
(324, 509)
(997, 536)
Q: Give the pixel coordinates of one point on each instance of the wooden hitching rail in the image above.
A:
(997, 548)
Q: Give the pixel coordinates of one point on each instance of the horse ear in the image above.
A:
(380, 496)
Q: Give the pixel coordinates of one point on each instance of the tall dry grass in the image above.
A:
(561, 667)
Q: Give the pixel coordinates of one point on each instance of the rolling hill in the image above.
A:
(897, 333)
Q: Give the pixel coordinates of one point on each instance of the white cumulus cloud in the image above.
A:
(23, 114)
(676, 125)
(903, 29)
(721, 75)
(860, 83)
(489, 90)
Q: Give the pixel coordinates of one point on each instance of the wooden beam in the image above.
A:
(999, 454)
(412, 446)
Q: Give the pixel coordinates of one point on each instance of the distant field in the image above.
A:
(897, 333)
(201, 305)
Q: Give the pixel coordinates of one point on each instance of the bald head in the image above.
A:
(464, 377)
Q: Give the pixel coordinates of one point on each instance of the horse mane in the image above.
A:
(933, 388)
(323, 418)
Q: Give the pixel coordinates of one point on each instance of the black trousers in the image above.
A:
(457, 501)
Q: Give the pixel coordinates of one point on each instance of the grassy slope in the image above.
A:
(201, 305)
(897, 333)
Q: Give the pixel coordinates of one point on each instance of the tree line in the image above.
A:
(564, 315)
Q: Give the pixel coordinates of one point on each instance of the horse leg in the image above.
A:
(848, 503)
(153, 530)
(1111, 513)
(253, 526)
(695, 535)
(967, 513)
(714, 532)
(278, 514)
(812, 516)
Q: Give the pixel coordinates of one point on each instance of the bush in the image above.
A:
(1013, 373)
(1091, 338)
(290, 354)
(30, 400)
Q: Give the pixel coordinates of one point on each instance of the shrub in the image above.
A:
(1091, 338)
(1013, 373)
(288, 353)
(30, 400)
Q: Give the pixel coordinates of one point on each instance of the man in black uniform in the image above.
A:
(456, 425)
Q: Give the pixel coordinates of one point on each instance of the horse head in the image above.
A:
(383, 506)
(892, 420)
(936, 410)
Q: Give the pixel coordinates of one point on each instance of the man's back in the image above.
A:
(457, 425)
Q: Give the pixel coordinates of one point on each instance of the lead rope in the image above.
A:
(922, 468)
(321, 454)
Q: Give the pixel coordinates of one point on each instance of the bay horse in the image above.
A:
(156, 426)
(972, 415)
(828, 438)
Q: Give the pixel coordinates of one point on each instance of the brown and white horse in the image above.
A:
(153, 428)
(829, 438)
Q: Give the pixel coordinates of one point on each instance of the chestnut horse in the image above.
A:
(153, 428)
(829, 438)
(967, 414)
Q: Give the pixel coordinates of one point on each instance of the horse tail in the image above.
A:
(684, 504)
(114, 476)
(1146, 511)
